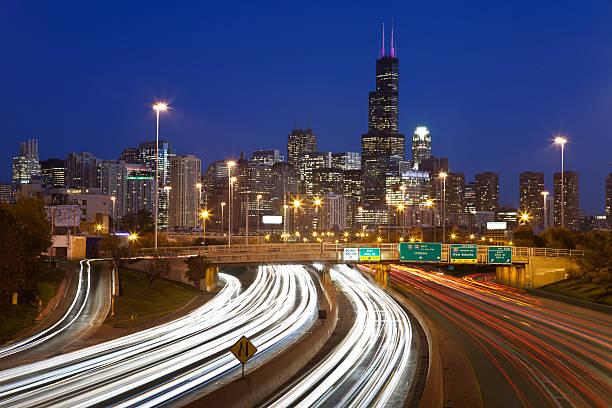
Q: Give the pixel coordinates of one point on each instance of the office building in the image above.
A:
(434, 166)
(421, 146)
(130, 155)
(6, 193)
(352, 190)
(531, 201)
(487, 191)
(609, 200)
(140, 191)
(26, 165)
(327, 180)
(570, 198)
(410, 188)
(300, 141)
(78, 170)
(469, 203)
(455, 195)
(307, 164)
(184, 195)
(53, 173)
(333, 209)
(346, 161)
(509, 215)
(549, 219)
(383, 145)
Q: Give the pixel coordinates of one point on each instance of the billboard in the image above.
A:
(464, 253)
(498, 225)
(369, 254)
(351, 254)
(65, 215)
(272, 219)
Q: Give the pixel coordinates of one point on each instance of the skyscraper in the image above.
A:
(53, 173)
(609, 200)
(78, 170)
(300, 141)
(421, 146)
(571, 197)
(147, 157)
(26, 165)
(184, 196)
(383, 145)
(346, 161)
(531, 185)
(487, 191)
(309, 162)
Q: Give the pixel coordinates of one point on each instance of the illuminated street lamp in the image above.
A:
(429, 203)
(296, 204)
(230, 164)
(158, 107)
(524, 218)
(113, 199)
(199, 187)
(222, 206)
(400, 209)
(472, 236)
(453, 236)
(204, 215)
(443, 176)
(562, 141)
(132, 237)
(544, 195)
(98, 228)
(259, 197)
(379, 239)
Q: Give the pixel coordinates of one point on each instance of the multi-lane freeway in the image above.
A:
(162, 364)
(371, 367)
(525, 351)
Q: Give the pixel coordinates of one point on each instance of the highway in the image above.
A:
(525, 351)
(371, 367)
(161, 365)
(87, 309)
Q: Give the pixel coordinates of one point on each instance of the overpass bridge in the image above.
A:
(529, 267)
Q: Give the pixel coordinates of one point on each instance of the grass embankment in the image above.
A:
(15, 318)
(581, 290)
(142, 301)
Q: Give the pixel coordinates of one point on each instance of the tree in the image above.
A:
(140, 222)
(596, 265)
(559, 237)
(26, 234)
(156, 267)
(196, 269)
(523, 236)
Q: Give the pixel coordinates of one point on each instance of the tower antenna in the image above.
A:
(382, 54)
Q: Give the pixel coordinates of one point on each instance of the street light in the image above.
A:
(403, 190)
(132, 237)
(400, 208)
(524, 217)
(230, 164)
(544, 195)
(158, 107)
(222, 206)
(167, 190)
(429, 203)
(296, 204)
(204, 215)
(562, 141)
(259, 197)
(98, 228)
(443, 176)
(199, 187)
(113, 198)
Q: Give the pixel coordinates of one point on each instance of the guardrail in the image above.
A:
(287, 252)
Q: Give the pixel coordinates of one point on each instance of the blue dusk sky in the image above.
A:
(494, 81)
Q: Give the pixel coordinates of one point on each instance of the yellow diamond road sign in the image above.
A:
(243, 349)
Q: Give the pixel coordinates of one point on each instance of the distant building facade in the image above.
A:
(568, 214)
(26, 165)
(184, 196)
(531, 201)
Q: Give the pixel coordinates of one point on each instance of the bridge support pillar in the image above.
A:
(212, 278)
(382, 274)
(325, 276)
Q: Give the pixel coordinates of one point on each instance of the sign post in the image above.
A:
(464, 253)
(243, 350)
(420, 252)
(500, 255)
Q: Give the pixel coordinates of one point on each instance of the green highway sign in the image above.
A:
(369, 254)
(463, 253)
(420, 252)
(500, 254)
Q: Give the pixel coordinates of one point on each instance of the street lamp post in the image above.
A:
(296, 204)
(222, 206)
(429, 204)
(562, 141)
(204, 215)
(545, 221)
(443, 176)
(113, 198)
(259, 197)
(403, 190)
(199, 187)
(167, 190)
(230, 164)
(158, 107)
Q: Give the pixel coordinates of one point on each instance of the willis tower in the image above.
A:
(383, 146)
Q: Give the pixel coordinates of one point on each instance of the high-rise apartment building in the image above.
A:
(469, 204)
(455, 193)
(147, 157)
(352, 190)
(487, 191)
(383, 145)
(307, 164)
(531, 201)
(570, 208)
(6, 193)
(333, 212)
(609, 200)
(346, 161)
(184, 195)
(140, 189)
(327, 180)
(130, 155)
(53, 173)
(421, 146)
(286, 184)
(300, 141)
(78, 171)
(26, 165)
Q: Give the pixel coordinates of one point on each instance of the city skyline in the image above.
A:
(127, 119)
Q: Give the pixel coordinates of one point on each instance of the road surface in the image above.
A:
(525, 351)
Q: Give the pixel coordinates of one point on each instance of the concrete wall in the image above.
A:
(177, 271)
(539, 271)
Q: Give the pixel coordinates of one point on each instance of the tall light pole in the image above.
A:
(204, 215)
(230, 164)
(229, 209)
(544, 195)
(259, 197)
(562, 141)
(285, 222)
(388, 201)
(317, 204)
(167, 190)
(443, 176)
(403, 190)
(158, 107)
(199, 187)
(113, 198)
(222, 206)
(296, 204)
(429, 204)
